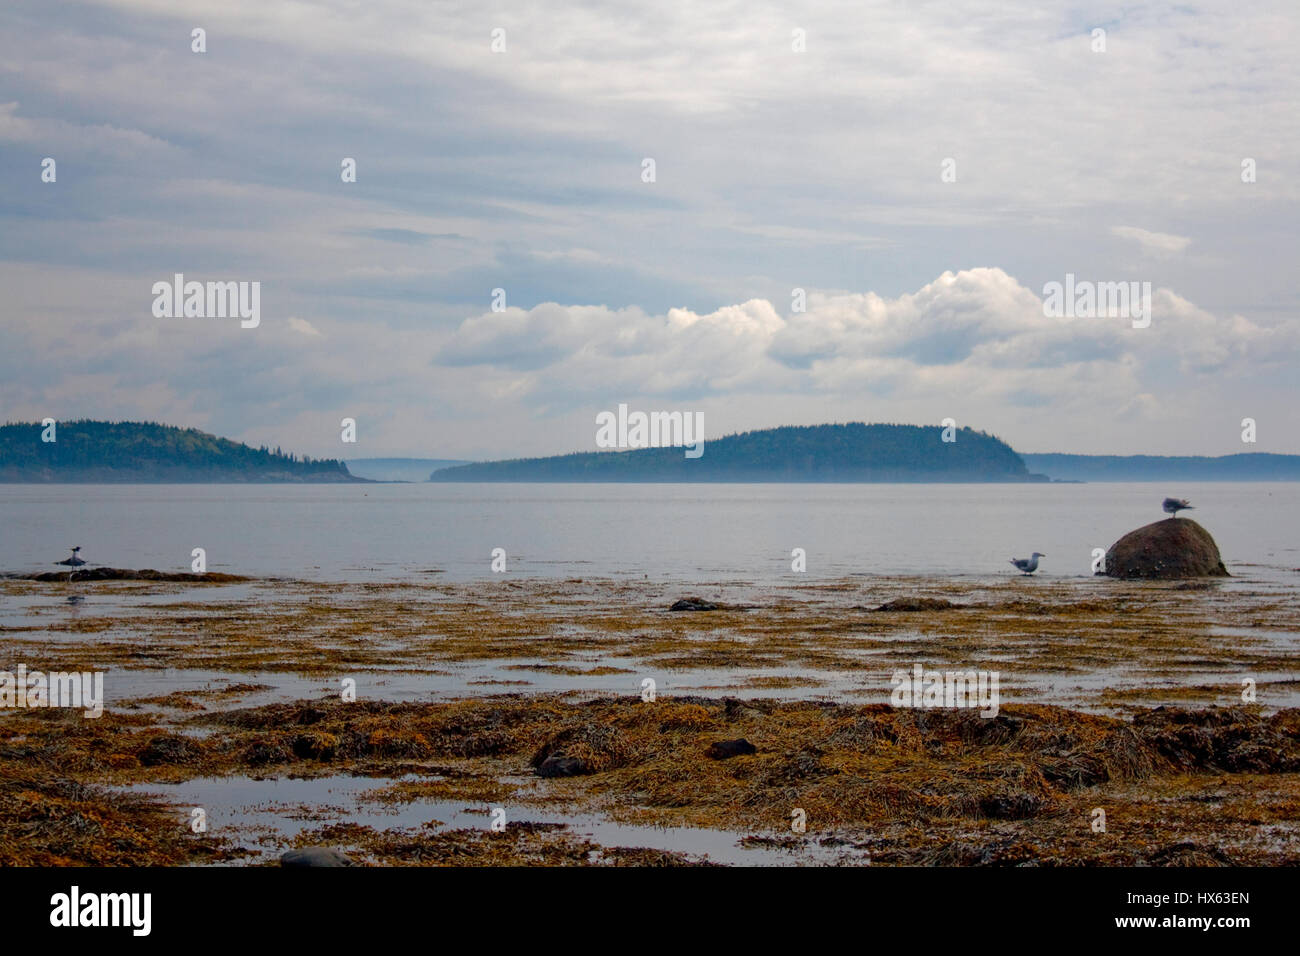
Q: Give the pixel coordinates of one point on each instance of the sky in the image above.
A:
(919, 170)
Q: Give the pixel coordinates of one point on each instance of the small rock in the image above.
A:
(723, 749)
(693, 604)
(561, 766)
(316, 856)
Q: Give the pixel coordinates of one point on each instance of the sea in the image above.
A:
(751, 533)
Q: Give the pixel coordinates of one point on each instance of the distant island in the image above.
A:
(115, 452)
(854, 452)
(399, 469)
(103, 452)
(1255, 466)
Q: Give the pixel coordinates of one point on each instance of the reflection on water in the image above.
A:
(271, 812)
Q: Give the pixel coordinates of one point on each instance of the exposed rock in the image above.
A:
(917, 604)
(316, 856)
(1172, 548)
(723, 749)
(693, 604)
(128, 574)
(561, 766)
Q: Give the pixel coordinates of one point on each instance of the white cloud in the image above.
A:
(972, 344)
(975, 329)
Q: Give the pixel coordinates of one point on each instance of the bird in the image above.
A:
(75, 561)
(1030, 564)
(1174, 505)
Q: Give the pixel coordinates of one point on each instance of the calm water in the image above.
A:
(667, 532)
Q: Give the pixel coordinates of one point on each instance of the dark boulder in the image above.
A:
(693, 604)
(723, 749)
(1173, 548)
(561, 766)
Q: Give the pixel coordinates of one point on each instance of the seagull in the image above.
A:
(75, 561)
(1030, 564)
(1174, 505)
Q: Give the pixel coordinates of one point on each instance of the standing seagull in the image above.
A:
(1030, 564)
(1174, 505)
(73, 562)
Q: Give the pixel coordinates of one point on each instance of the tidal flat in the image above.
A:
(1169, 707)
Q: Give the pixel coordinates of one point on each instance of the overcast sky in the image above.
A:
(774, 170)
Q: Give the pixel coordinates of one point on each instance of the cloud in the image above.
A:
(974, 329)
(1153, 243)
(973, 344)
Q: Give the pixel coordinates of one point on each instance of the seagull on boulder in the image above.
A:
(1030, 564)
(73, 562)
(1174, 505)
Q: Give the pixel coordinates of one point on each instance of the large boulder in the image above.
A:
(1173, 548)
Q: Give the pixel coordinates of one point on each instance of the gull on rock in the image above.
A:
(1030, 564)
(75, 561)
